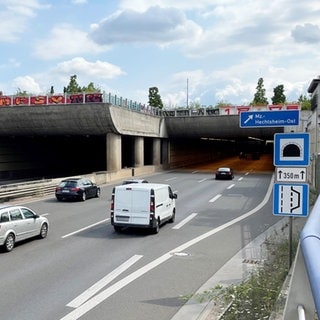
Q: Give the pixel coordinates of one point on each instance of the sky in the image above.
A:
(203, 52)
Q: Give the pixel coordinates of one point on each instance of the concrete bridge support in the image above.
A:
(139, 151)
(113, 152)
(156, 152)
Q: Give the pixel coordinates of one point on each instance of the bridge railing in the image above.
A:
(303, 300)
(98, 97)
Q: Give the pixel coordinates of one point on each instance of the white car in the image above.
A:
(19, 223)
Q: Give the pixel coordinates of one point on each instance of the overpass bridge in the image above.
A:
(73, 137)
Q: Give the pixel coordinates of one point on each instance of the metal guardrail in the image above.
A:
(310, 247)
(303, 298)
(27, 189)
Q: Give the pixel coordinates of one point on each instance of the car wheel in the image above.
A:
(98, 193)
(173, 217)
(156, 229)
(9, 243)
(59, 198)
(43, 231)
(84, 196)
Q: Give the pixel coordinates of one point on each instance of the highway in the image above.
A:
(85, 270)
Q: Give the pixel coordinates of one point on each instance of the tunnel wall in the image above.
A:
(185, 152)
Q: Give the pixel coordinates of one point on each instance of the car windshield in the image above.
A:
(224, 169)
(70, 184)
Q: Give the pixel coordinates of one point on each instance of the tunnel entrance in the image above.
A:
(23, 158)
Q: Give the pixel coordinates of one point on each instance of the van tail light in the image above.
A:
(152, 204)
(112, 203)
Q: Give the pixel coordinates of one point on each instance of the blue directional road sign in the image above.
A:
(279, 118)
(291, 149)
(291, 199)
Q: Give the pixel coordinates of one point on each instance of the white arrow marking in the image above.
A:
(249, 118)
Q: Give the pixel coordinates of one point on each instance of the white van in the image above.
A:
(142, 205)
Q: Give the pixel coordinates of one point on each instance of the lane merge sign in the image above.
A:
(276, 118)
(291, 199)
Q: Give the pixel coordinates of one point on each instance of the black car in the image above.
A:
(77, 189)
(224, 173)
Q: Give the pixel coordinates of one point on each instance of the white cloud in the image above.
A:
(156, 25)
(308, 33)
(95, 70)
(27, 84)
(79, 1)
(65, 40)
(15, 16)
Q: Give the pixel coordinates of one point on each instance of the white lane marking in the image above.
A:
(184, 221)
(173, 178)
(247, 173)
(231, 186)
(96, 300)
(85, 228)
(202, 180)
(215, 198)
(240, 178)
(195, 171)
(86, 295)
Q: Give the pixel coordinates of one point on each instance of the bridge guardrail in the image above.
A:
(303, 298)
(310, 247)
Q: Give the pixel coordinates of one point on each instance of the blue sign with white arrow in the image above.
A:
(279, 118)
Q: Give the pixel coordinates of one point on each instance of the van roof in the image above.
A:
(145, 186)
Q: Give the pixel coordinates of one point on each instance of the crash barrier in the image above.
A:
(310, 247)
(303, 299)
(43, 187)
(27, 189)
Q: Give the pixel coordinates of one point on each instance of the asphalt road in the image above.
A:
(84, 270)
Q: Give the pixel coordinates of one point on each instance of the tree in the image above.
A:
(91, 88)
(260, 95)
(304, 102)
(223, 104)
(155, 98)
(21, 93)
(73, 86)
(278, 95)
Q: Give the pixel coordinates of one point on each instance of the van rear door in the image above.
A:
(132, 206)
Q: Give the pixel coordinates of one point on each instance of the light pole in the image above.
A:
(187, 93)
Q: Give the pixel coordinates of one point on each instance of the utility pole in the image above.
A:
(187, 93)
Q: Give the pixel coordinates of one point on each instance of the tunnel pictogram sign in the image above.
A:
(291, 149)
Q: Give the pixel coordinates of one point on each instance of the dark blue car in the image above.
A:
(77, 189)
